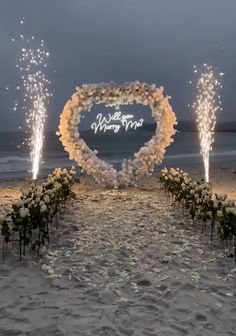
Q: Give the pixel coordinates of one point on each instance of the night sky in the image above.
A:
(156, 41)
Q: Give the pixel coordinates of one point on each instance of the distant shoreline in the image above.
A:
(182, 126)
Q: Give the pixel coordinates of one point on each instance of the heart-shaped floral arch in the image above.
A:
(111, 94)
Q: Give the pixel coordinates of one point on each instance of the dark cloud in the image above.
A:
(100, 40)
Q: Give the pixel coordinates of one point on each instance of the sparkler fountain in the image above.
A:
(31, 65)
(206, 105)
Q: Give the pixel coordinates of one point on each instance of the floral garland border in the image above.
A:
(150, 154)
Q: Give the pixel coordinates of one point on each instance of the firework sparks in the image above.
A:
(206, 105)
(31, 65)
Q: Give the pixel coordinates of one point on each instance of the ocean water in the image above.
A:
(113, 148)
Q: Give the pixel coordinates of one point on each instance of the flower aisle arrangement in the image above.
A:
(214, 211)
(113, 95)
(31, 220)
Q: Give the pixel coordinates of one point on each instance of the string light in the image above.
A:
(206, 105)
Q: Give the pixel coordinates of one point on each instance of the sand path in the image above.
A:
(122, 263)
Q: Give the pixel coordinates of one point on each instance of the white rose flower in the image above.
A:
(233, 210)
(228, 210)
(164, 170)
(43, 208)
(46, 199)
(219, 213)
(41, 203)
(38, 194)
(32, 204)
(49, 192)
(28, 200)
(172, 171)
(24, 212)
(186, 180)
(50, 181)
(2, 218)
(206, 198)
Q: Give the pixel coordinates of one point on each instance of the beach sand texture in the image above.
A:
(121, 263)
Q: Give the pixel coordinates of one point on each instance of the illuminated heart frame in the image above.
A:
(111, 94)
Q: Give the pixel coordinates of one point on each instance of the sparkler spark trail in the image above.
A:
(206, 105)
(31, 65)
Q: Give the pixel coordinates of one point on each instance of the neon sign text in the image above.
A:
(115, 122)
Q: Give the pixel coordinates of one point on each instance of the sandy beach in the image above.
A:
(117, 168)
(121, 263)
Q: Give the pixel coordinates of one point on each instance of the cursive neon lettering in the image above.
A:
(115, 122)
